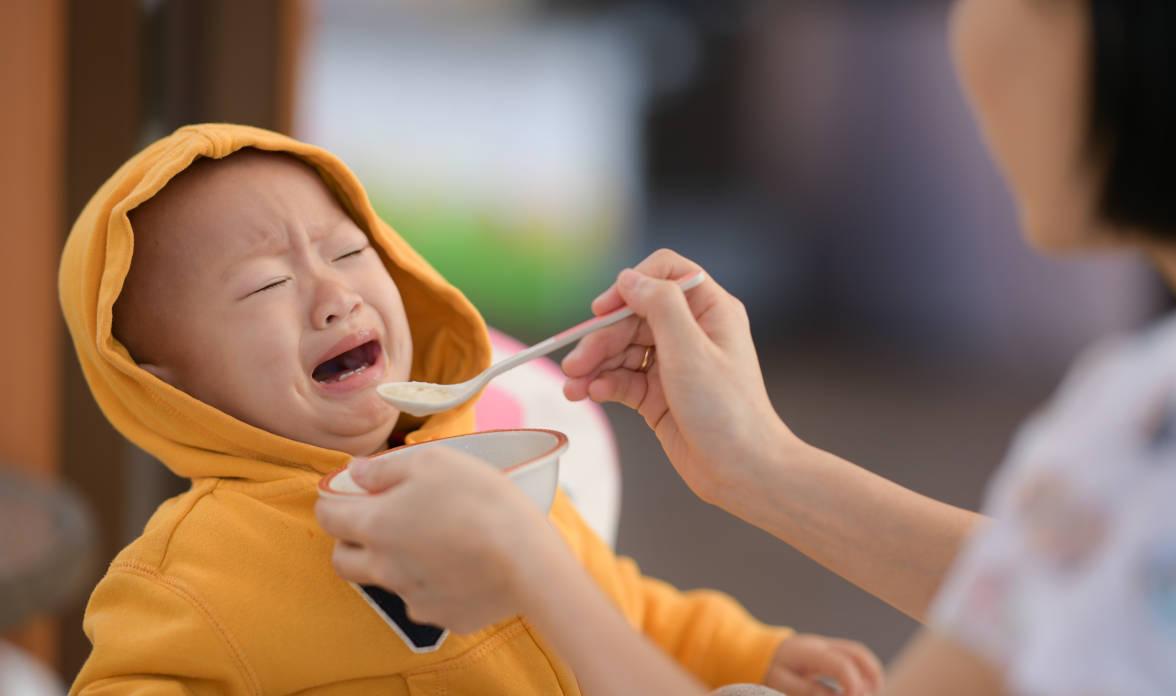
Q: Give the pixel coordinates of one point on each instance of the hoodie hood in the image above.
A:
(193, 439)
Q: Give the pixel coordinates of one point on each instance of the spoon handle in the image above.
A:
(576, 333)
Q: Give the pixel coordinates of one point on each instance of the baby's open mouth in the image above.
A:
(348, 364)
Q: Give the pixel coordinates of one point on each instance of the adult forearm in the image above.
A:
(607, 655)
(890, 541)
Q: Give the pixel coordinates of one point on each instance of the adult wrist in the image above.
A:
(744, 482)
(538, 571)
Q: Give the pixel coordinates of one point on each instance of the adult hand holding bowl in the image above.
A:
(439, 525)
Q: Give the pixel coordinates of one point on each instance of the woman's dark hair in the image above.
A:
(1134, 111)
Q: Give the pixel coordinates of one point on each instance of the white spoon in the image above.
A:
(426, 398)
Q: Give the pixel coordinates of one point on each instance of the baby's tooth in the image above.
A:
(350, 373)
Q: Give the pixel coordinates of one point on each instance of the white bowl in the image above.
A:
(529, 457)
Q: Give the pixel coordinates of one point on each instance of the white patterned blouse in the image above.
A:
(1071, 589)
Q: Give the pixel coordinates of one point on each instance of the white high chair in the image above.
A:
(531, 396)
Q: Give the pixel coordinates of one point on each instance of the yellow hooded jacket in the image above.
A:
(230, 588)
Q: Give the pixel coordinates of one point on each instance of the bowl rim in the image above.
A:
(560, 445)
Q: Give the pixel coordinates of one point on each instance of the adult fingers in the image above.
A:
(663, 306)
(422, 610)
(377, 475)
(708, 299)
(663, 264)
(631, 358)
(619, 386)
(576, 389)
(597, 347)
(342, 519)
(353, 563)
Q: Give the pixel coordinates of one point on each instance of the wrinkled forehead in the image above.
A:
(217, 212)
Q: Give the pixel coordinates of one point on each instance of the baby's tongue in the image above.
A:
(341, 364)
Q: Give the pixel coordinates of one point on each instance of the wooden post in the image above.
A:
(102, 130)
(31, 77)
(227, 60)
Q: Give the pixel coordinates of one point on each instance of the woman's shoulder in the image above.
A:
(1117, 403)
(1122, 364)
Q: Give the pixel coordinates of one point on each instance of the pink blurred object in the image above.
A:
(531, 396)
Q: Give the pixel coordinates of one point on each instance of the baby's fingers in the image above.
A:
(793, 685)
(838, 665)
(869, 666)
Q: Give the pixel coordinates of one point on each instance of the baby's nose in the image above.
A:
(336, 302)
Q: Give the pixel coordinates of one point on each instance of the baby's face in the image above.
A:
(267, 301)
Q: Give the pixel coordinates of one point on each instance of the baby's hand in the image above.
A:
(806, 665)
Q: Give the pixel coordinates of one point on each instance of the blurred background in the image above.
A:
(816, 156)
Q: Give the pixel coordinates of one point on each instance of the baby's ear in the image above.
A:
(164, 373)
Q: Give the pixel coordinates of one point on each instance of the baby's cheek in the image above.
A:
(265, 334)
(397, 338)
(400, 356)
(262, 357)
(272, 349)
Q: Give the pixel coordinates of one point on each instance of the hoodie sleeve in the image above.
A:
(706, 632)
(150, 636)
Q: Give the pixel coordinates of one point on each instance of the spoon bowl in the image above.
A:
(427, 398)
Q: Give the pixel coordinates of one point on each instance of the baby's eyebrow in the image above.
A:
(332, 229)
(271, 243)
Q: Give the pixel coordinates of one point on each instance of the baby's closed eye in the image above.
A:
(277, 283)
(354, 252)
